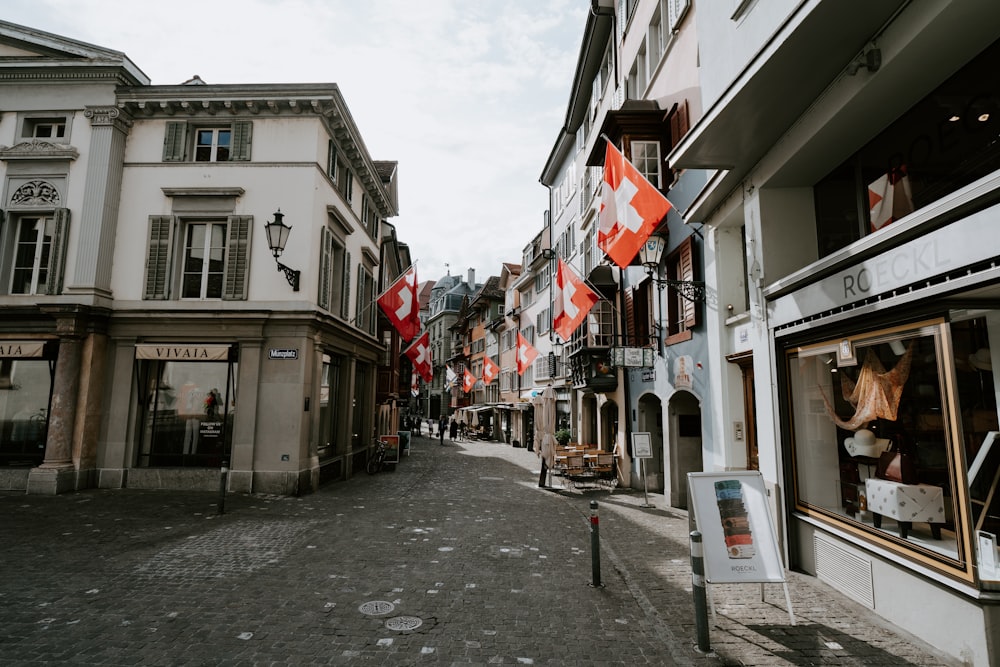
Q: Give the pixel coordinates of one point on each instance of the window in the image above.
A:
(204, 251)
(682, 313)
(542, 321)
(207, 143)
(38, 252)
(638, 315)
(212, 258)
(212, 145)
(365, 312)
(335, 274)
(51, 128)
(646, 159)
(331, 160)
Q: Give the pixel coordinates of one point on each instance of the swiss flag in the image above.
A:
(573, 300)
(468, 381)
(631, 208)
(526, 354)
(420, 354)
(889, 198)
(400, 305)
(490, 370)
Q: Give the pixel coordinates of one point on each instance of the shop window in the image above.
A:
(860, 403)
(24, 410)
(212, 259)
(943, 143)
(212, 143)
(37, 252)
(187, 412)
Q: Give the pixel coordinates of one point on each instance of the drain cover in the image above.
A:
(377, 608)
(403, 623)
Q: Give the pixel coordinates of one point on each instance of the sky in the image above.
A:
(468, 96)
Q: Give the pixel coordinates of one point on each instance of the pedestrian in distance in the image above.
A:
(442, 425)
(453, 429)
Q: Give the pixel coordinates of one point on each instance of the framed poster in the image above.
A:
(642, 446)
(737, 533)
(391, 448)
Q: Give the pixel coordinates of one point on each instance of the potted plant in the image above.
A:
(563, 436)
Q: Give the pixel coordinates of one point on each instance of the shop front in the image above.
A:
(888, 396)
(27, 368)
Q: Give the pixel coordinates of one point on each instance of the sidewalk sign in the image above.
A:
(642, 449)
(391, 448)
(739, 541)
(404, 439)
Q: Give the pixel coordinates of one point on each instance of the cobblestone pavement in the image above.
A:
(456, 557)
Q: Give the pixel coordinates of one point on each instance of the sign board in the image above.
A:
(404, 441)
(642, 446)
(391, 448)
(276, 353)
(210, 429)
(738, 538)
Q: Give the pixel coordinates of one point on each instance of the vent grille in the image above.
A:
(849, 574)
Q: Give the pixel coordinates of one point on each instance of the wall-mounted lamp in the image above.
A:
(650, 255)
(277, 236)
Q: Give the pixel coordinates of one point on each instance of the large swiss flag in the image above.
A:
(526, 354)
(573, 300)
(400, 305)
(420, 354)
(631, 208)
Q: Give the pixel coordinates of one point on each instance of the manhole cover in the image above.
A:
(403, 623)
(376, 608)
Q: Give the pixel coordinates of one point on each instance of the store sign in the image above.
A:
(275, 353)
(633, 357)
(180, 352)
(932, 254)
(21, 349)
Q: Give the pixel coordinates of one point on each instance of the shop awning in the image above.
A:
(182, 352)
(22, 349)
(478, 408)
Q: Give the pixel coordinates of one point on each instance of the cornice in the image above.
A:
(38, 150)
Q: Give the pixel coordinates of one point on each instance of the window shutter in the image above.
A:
(242, 132)
(331, 160)
(686, 266)
(175, 141)
(161, 232)
(359, 306)
(325, 265)
(237, 258)
(630, 317)
(345, 292)
(57, 253)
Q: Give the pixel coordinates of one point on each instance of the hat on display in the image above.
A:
(981, 359)
(864, 443)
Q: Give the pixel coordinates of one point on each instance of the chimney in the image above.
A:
(472, 277)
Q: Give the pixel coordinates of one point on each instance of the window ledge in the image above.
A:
(203, 192)
(738, 319)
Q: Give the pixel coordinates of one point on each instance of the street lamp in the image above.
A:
(650, 255)
(277, 236)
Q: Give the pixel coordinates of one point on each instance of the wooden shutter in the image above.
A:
(242, 132)
(630, 317)
(237, 258)
(325, 267)
(360, 305)
(161, 239)
(345, 290)
(686, 272)
(175, 141)
(57, 252)
(679, 124)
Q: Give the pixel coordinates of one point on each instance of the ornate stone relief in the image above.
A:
(35, 193)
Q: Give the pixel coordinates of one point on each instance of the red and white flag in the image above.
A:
(631, 208)
(400, 305)
(414, 385)
(573, 300)
(420, 354)
(526, 354)
(468, 381)
(490, 370)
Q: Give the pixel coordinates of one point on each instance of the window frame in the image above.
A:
(180, 137)
(56, 260)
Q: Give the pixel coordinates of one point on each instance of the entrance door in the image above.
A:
(685, 446)
(651, 421)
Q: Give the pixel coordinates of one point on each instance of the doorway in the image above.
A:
(684, 451)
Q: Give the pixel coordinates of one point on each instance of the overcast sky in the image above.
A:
(467, 95)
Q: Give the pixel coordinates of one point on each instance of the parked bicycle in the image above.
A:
(376, 458)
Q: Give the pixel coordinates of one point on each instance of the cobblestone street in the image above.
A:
(454, 557)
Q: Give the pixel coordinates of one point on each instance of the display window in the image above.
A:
(25, 388)
(887, 427)
(186, 411)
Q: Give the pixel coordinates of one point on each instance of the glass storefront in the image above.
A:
(885, 426)
(25, 388)
(187, 410)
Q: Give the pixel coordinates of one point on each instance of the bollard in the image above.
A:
(224, 473)
(595, 544)
(698, 590)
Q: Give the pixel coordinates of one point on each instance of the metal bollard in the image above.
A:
(224, 473)
(698, 590)
(595, 544)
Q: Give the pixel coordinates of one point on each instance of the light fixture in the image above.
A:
(650, 254)
(277, 236)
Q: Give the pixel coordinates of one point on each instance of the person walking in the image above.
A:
(442, 425)
(453, 430)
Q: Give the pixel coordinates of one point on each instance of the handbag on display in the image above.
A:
(896, 466)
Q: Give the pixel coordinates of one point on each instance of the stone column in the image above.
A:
(56, 474)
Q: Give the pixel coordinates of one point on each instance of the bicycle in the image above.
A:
(376, 459)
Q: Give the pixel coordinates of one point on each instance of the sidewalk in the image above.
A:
(454, 557)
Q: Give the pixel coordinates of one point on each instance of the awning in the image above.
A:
(182, 352)
(22, 349)
(478, 408)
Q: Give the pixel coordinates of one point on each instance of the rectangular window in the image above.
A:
(646, 159)
(185, 141)
(681, 311)
(50, 128)
(212, 145)
(31, 256)
(204, 265)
